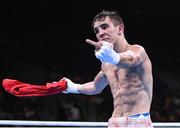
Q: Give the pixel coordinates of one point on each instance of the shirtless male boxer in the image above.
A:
(126, 68)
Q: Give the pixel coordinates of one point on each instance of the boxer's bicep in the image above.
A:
(133, 57)
(100, 81)
(94, 87)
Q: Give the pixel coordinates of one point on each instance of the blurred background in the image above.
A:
(44, 40)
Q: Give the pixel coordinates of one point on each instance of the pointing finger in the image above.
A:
(91, 42)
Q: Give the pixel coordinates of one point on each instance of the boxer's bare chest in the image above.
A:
(121, 77)
(121, 74)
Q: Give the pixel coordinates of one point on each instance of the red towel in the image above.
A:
(21, 89)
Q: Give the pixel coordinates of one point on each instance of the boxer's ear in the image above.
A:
(120, 29)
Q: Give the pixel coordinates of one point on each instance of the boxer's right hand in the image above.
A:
(71, 87)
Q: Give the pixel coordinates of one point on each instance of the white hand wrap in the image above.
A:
(107, 54)
(71, 87)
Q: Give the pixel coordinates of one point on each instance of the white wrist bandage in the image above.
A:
(71, 87)
(107, 54)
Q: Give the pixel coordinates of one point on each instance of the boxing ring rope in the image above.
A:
(75, 124)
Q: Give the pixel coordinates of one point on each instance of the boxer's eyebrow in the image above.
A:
(102, 26)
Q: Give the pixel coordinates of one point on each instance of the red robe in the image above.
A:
(21, 89)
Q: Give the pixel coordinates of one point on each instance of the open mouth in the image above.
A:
(106, 39)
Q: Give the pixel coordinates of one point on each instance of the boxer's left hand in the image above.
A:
(106, 52)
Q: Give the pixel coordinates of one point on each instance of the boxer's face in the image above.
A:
(105, 30)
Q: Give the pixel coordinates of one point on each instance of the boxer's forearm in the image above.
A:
(88, 89)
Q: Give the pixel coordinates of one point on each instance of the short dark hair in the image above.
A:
(113, 15)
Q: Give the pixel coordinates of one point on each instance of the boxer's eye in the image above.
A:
(96, 31)
(104, 26)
